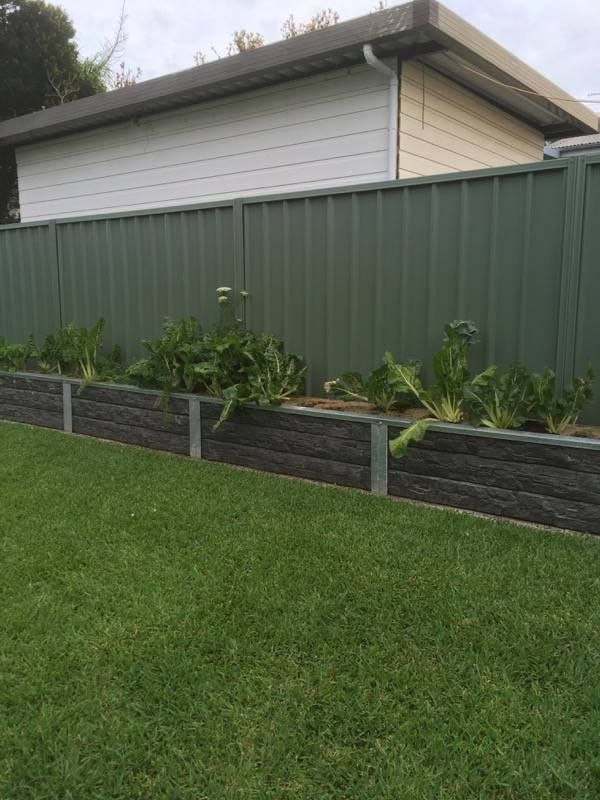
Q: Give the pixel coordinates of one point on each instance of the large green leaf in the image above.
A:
(414, 433)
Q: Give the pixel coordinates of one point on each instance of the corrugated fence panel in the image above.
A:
(136, 270)
(29, 302)
(587, 349)
(346, 276)
(341, 276)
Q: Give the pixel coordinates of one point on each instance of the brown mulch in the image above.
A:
(357, 407)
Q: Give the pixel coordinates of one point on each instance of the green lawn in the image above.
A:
(180, 631)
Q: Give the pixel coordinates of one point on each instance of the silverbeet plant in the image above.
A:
(444, 400)
(16, 357)
(381, 388)
(500, 400)
(557, 413)
(172, 358)
(75, 350)
(271, 376)
(226, 361)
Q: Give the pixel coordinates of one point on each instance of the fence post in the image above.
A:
(571, 269)
(195, 427)
(67, 408)
(239, 266)
(55, 256)
(379, 458)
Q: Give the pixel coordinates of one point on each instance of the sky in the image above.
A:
(557, 38)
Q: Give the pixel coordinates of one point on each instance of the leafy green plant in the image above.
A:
(172, 357)
(75, 350)
(15, 357)
(500, 401)
(559, 412)
(229, 354)
(227, 362)
(381, 389)
(348, 387)
(271, 377)
(444, 400)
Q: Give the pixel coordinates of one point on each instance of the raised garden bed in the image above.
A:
(536, 477)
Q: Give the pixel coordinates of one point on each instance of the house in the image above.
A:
(574, 146)
(409, 91)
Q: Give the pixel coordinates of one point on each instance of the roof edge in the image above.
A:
(389, 31)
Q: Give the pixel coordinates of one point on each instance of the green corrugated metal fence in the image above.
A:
(345, 277)
(586, 319)
(29, 293)
(133, 271)
(341, 276)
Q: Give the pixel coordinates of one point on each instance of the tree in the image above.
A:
(96, 72)
(40, 67)
(36, 45)
(36, 48)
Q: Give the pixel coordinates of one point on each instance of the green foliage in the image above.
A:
(381, 389)
(558, 412)
(268, 376)
(444, 400)
(349, 387)
(500, 401)
(230, 354)
(274, 375)
(15, 357)
(76, 351)
(414, 433)
(173, 357)
(37, 46)
(227, 362)
(240, 367)
(39, 67)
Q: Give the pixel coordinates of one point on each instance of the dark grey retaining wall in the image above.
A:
(333, 451)
(132, 417)
(533, 477)
(551, 484)
(33, 400)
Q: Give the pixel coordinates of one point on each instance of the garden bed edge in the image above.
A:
(345, 448)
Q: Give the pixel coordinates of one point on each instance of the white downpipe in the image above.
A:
(392, 77)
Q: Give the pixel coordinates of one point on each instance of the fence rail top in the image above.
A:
(449, 177)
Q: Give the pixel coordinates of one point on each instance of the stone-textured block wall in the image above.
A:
(132, 417)
(32, 400)
(328, 450)
(545, 483)
(537, 479)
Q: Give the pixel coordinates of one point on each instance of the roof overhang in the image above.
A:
(421, 29)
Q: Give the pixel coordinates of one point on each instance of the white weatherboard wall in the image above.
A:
(444, 128)
(323, 131)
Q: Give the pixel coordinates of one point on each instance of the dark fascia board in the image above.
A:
(462, 39)
(273, 63)
(391, 31)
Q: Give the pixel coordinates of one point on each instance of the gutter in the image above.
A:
(392, 77)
